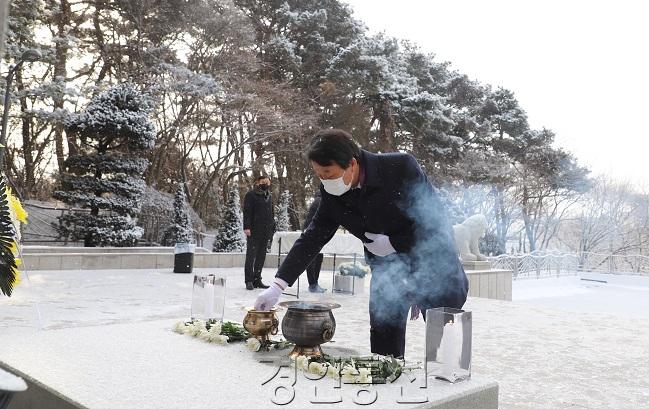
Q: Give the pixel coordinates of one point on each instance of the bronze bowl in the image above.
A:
(307, 325)
(261, 323)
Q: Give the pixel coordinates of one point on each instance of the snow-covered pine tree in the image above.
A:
(181, 229)
(229, 235)
(282, 222)
(105, 177)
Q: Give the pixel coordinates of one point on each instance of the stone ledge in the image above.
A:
(136, 368)
(494, 284)
(86, 250)
(129, 260)
(484, 398)
(38, 395)
(476, 265)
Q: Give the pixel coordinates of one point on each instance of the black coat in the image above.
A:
(395, 199)
(310, 214)
(258, 215)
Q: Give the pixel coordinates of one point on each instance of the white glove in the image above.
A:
(268, 298)
(380, 244)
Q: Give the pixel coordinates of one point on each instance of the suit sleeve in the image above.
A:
(248, 208)
(321, 229)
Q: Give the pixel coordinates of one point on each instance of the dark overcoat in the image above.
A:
(395, 199)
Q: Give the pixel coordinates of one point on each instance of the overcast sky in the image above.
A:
(579, 68)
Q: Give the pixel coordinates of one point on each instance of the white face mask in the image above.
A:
(336, 187)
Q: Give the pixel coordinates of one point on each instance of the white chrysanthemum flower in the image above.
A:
(205, 336)
(302, 362)
(349, 374)
(215, 328)
(364, 375)
(253, 344)
(219, 339)
(194, 329)
(179, 327)
(317, 368)
(333, 371)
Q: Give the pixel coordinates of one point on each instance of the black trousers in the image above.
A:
(391, 297)
(313, 269)
(255, 256)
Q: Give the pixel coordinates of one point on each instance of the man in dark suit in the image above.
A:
(258, 226)
(386, 201)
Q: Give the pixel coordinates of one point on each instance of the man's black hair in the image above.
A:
(262, 177)
(330, 146)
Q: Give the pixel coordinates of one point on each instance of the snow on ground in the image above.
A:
(560, 344)
(589, 292)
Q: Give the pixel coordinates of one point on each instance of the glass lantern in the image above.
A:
(208, 297)
(448, 344)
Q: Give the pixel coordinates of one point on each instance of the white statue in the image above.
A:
(466, 237)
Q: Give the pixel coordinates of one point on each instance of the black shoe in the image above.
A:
(259, 284)
(315, 288)
(249, 286)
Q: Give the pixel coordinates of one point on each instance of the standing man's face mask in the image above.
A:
(336, 187)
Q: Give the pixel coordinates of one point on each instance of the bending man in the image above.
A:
(386, 201)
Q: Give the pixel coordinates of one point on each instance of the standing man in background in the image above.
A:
(258, 226)
(313, 269)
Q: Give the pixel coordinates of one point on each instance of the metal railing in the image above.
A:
(556, 264)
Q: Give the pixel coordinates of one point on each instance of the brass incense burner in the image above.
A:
(261, 324)
(307, 325)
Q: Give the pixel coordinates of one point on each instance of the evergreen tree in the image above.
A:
(229, 235)
(181, 229)
(282, 223)
(105, 176)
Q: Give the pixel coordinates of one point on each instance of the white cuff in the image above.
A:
(280, 283)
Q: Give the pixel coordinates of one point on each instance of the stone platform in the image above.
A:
(146, 366)
(107, 343)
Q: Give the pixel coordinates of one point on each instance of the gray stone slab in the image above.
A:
(226, 260)
(493, 286)
(474, 285)
(501, 286)
(125, 260)
(484, 286)
(71, 262)
(149, 367)
(91, 262)
(239, 260)
(508, 286)
(147, 261)
(30, 262)
(164, 261)
(49, 262)
(200, 261)
(109, 262)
